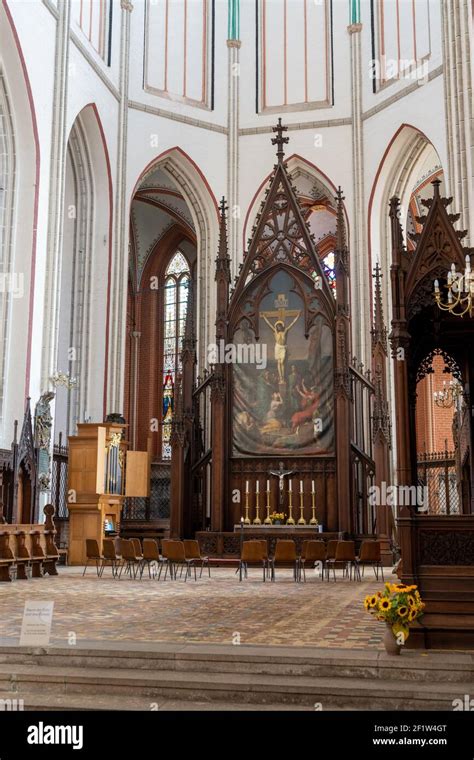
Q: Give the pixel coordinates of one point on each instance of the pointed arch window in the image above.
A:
(176, 288)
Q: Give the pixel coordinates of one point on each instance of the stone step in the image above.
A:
(412, 666)
(34, 701)
(251, 689)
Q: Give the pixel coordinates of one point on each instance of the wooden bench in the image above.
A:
(31, 546)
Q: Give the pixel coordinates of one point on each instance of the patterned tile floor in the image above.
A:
(211, 610)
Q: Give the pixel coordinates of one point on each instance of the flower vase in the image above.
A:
(390, 642)
(277, 522)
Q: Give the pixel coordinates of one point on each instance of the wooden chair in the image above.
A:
(138, 547)
(92, 554)
(7, 560)
(152, 557)
(130, 561)
(345, 554)
(369, 554)
(311, 552)
(193, 551)
(253, 553)
(176, 556)
(285, 554)
(110, 555)
(164, 553)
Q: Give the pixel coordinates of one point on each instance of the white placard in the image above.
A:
(36, 624)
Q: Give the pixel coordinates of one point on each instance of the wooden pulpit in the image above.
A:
(101, 474)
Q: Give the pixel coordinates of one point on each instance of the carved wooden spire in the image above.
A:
(397, 232)
(279, 140)
(341, 257)
(177, 426)
(379, 330)
(222, 274)
(189, 338)
(341, 243)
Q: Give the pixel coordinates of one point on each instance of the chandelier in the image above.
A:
(460, 300)
(63, 378)
(449, 395)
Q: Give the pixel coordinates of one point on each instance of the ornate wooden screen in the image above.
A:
(420, 329)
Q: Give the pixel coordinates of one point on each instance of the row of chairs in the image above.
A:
(130, 556)
(328, 555)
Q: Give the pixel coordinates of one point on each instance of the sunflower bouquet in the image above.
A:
(277, 517)
(397, 605)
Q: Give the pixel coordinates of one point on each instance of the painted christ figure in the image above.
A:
(279, 333)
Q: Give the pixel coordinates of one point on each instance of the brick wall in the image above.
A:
(433, 424)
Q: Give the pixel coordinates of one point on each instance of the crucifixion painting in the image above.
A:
(287, 405)
(280, 330)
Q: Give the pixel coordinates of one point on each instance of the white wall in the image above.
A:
(199, 138)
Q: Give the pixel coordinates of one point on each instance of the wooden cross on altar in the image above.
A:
(281, 312)
(279, 140)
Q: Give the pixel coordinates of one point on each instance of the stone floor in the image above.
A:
(215, 610)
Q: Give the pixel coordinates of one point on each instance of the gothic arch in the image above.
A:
(396, 176)
(20, 123)
(297, 167)
(81, 351)
(194, 188)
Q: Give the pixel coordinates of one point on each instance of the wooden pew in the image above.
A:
(30, 545)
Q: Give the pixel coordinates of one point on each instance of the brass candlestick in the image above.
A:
(313, 520)
(290, 520)
(257, 520)
(301, 521)
(267, 520)
(247, 518)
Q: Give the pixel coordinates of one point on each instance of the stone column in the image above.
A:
(134, 390)
(56, 197)
(117, 315)
(235, 211)
(361, 280)
(457, 52)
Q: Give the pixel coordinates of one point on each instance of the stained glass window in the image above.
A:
(328, 264)
(177, 279)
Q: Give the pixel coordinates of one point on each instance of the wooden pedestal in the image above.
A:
(88, 521)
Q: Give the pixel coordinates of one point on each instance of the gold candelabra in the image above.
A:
(247, 518)
(313, 520)
(267, 520)
(257, 520)
(301, 521)
(460, 299)
(290, 520)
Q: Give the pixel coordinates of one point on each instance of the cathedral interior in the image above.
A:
(237, 306)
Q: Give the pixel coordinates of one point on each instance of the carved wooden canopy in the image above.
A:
(438, 245)
(281, 238)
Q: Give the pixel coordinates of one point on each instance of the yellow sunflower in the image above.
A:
(372, 601)
(402, 611)
(384, 604)
(411, 615)
(411, 601)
